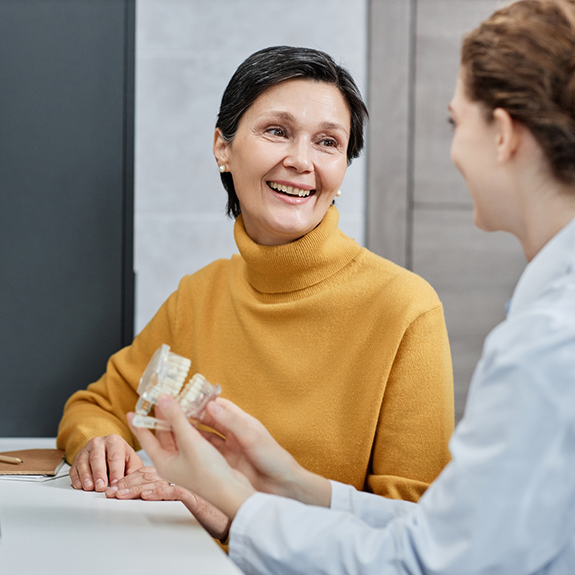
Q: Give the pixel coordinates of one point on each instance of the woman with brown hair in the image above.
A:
(506, 502)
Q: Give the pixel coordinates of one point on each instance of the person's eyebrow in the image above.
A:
(287, 117)
(281, 116)
(333, 126)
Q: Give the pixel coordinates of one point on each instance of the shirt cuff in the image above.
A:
(375, 510)
(341, 496)
(239, 541)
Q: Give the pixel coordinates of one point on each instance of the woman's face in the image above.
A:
(288, 158)
(474, 153)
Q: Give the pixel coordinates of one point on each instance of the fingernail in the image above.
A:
(123, 492)
(114, 481)
(88, 483)
(146, 493)
(100, 484)
(111, 490)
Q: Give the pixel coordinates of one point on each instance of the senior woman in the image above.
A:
(342, 354)
(505, 504)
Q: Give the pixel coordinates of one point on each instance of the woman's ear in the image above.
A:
(508, 135)
(220, 148)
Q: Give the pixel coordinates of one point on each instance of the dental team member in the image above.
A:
(342, 354)
(506, 502)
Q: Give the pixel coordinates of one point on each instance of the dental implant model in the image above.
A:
(166, 373)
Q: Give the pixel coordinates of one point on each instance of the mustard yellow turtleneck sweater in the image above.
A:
(341, 354)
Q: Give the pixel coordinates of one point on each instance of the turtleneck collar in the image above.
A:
(300, 264)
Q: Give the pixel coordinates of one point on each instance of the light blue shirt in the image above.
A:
(506, 502)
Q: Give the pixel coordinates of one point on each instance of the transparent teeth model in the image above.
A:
(166, 373)
(196, 395)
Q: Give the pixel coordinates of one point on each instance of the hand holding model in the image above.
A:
(249, 448)
(226, 471)
(185, 461)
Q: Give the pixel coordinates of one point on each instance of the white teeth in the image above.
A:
(291, 190)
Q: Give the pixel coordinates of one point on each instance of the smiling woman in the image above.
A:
(342, 354)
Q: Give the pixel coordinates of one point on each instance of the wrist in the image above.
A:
(231, 498)
(310, 488)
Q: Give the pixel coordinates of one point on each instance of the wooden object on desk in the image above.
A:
(34, 462)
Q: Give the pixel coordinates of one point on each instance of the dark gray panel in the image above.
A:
(63, 179)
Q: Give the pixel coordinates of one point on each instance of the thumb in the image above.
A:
(146, 438)
(174, 415)
(228, 419)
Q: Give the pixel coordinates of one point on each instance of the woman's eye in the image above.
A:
(328, 143)
(279, 132)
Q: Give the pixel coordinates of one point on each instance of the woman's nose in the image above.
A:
(299, 156)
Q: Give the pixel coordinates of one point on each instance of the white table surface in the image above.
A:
(48, 528)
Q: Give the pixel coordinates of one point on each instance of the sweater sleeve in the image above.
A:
(417, 413)
(101, 409)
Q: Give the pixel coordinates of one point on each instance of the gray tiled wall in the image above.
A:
(186, 51)
(473, 272)
(420, 211)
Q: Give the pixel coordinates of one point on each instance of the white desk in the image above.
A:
(50, 528)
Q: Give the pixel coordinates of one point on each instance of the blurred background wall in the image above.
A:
(403, 199)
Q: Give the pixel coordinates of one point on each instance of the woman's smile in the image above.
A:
(290, 189)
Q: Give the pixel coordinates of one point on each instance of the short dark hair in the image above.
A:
(269, 67)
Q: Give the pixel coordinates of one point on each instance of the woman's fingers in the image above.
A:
(174, 415)
(185, 435)
(132, 485)
(75, 478)
(217, 441)
(230, 419)
(213, 418)
(103, 461)
(146, 438)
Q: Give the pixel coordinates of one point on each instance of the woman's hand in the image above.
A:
(103, 461)
(184, 457)
(250, 449)
(145, 483)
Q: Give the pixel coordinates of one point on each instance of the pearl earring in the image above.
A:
(338, 193)
(222, 169)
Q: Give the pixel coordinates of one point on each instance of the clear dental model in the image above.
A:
(166, 373)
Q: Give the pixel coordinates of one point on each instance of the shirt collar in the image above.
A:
(556, 258)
